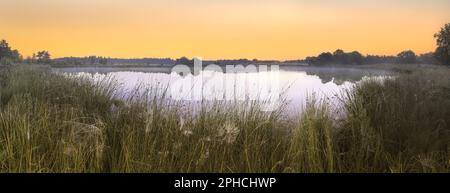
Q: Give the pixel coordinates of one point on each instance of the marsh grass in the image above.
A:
(408, 119)
(311, 145)
(54, 123)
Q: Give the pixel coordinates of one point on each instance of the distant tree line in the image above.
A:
(98, 60)
(440, 56)
(95, 60)
(337, 57)
(187, 61)
(89, 60)
(356, 58)
(240, 62)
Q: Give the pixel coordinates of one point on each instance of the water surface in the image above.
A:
(294, 84)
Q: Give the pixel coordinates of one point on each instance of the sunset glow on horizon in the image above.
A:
(220, 29)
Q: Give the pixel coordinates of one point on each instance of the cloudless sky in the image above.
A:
(216, 29)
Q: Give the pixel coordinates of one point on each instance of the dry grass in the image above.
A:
(52, 123)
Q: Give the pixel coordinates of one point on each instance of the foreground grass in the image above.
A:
(51, 123)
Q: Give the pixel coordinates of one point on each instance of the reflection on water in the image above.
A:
(295, 85)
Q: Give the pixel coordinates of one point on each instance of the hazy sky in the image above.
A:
(213, 29)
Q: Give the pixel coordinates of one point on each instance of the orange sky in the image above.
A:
(215, 29)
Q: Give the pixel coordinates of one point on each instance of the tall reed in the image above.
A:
(58, 123)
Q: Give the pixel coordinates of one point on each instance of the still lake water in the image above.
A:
(294, 84)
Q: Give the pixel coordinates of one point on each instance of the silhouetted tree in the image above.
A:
(6, 52)
(355, 58)
(92, 59)
(325, 58)
(339, 52)
(185, 61)
(103, 61)
(407, 57)
(442, 52)
(340, 56)
(42, 57)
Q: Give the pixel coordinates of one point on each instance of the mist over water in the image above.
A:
(294, 85)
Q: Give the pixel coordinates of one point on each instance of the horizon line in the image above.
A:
(250, 59)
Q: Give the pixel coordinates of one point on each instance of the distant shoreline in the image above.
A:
(289, 67)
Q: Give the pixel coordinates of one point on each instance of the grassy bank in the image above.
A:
(51, 123)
